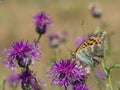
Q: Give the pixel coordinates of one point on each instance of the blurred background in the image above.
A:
(16, 23)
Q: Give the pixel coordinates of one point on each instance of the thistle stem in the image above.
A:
(65, 88)
(104, 66)
(110, 82)
(54, 57)
(38, 38)
(4, 85)
(84, 29)
(13, 88)
(103, 24)
(108, 75)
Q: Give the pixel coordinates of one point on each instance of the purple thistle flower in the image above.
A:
(65, 72)
(41, 21)
(22, 53)
(39, 85)
(95, 9)
(100, 74)
(13, 79)
(29, 81)
(79, 85)
(64, 36)
(54, 40)
(80, 40)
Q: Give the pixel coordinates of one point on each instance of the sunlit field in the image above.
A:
(61, 35)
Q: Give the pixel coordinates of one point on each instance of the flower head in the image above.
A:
(79, 85)
(29, 81)
(100, 74)
(65, 72)
(54, 40)
(13, 79)
(22, 53)
(64, 36)
(41, 21)
(80, 40)
(95, 9)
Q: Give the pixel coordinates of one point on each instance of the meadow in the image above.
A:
(71, 16)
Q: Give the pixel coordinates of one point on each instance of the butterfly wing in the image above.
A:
(84, 58)
(91, 50)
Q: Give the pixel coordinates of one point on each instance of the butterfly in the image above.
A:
(91, 50)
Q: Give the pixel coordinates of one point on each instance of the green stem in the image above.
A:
(65, 88)
(103, 24)
(110, 82)
(59, 52)
(38, 83)
(54, 55)
(104, 67)
(4, 85)
(108, 75)
(38, 38)
(13, 88)
(113, 67)
(84, 29)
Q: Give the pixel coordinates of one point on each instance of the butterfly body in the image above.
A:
(91, 50)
